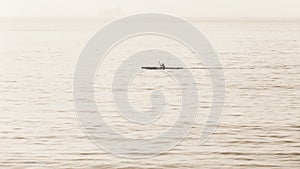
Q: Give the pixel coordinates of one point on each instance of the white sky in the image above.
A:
(188, 8)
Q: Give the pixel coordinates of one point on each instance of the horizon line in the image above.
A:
(184, 17)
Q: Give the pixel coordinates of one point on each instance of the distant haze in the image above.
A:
(185, 8)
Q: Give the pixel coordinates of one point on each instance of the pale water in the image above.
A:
(260, 126)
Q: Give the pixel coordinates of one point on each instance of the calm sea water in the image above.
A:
(260, 125)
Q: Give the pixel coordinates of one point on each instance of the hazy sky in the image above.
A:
(187, 8)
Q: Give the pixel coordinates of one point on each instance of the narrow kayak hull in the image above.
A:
(155, 68)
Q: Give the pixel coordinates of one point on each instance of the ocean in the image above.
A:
(259, 127)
